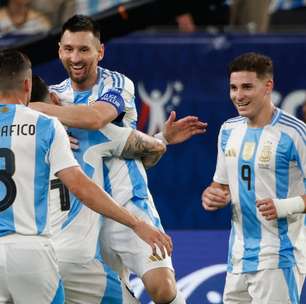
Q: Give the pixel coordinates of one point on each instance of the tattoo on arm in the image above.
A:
(144, 147)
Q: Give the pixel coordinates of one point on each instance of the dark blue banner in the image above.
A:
(188, 74)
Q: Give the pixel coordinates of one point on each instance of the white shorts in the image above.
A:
(122, 248)
(29, 271)
(93, 283)
(268, 286)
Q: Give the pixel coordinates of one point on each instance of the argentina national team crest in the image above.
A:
(265, 155)
(156, 104)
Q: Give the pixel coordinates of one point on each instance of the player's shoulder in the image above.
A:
(115, 79)
(234, 122)
(291, 125)
(60, 87)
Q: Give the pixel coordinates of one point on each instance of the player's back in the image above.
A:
(25, 139)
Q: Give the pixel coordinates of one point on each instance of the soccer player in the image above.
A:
(85, 275)
(103, 96)
(261, 155)
(29, 146)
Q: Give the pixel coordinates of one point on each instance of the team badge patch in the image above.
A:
(248, 150)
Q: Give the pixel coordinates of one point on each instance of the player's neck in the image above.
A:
(263, 118)
(12, 98)
(86, 85)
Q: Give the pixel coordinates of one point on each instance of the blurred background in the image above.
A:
(176, 52)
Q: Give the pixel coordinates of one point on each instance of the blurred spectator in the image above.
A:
(194, 14)
(58, 11)
(250, 15)
(87, 7)
(16, 17)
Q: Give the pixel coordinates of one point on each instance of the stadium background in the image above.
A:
(187, 73)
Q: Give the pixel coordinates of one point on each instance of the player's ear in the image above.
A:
(269, 86)
(59, 50)
(101, 52)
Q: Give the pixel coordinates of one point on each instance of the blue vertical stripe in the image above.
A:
(107, 182)
(113, 290)
(284, 153)
(292, 286)
(250, 224)
(42, 171)
(59, 297)
(7, 224)
(139, 185)
(224, 138)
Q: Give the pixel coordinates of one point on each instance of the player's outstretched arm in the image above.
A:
(94, 116)
(272, 209)
(178, 131)
(145, 147)
(98, 200)
(215, 197)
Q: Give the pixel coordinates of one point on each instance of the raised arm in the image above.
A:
(142, 146)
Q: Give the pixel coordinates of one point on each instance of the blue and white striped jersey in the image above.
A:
(30, 143)
(76, 231)
(260, 163)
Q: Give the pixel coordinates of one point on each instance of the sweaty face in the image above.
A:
(80, 53)
(250, 94)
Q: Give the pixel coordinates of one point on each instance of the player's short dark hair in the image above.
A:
(14, 67)
(81, 23)
(40, 90)
(252, 62)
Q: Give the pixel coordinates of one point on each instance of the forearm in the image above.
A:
(98, 200)
(75, 116)
(144, 147)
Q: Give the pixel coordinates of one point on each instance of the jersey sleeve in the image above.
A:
(60, 154)
(118, 137)
(220, 175)
(122, 97)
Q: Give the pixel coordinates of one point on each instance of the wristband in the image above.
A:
(289, 206)
(161, 137)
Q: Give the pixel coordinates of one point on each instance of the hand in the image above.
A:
(154, 237)
(215, 198)
(179, 131)
(267, 209)
(74, 143)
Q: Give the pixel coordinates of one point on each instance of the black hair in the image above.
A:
(252, 62)
(81, 23)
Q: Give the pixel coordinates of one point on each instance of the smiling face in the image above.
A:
(80, 53)
(251, 95)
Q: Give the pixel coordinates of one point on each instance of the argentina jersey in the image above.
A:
(259, 163)
(126, 180)
(111, 87)
(30, 143)
(79, 224)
